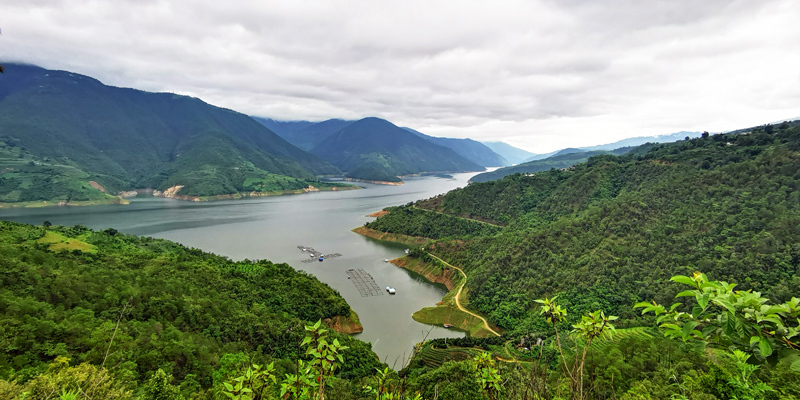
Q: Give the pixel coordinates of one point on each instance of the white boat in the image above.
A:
(390, 290)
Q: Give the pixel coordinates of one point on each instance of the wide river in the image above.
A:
(272, 227)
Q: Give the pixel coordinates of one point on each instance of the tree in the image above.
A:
(589, 328)
(728, 319)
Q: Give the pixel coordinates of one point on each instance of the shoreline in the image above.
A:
(375, 182)
(123, 198)
(446, 311)
(391, 237)
(348, 325)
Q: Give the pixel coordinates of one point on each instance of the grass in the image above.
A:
(60, 242)
(445, 314)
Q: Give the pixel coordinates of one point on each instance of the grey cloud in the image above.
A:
(539, 73)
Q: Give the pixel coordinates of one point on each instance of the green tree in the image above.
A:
(729, 319)
(584, 332)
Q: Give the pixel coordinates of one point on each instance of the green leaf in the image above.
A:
(683, 279)
(703, 300)
(687, 293)
(765, 347)
(725, 304)
(795, 366)
(688, 327)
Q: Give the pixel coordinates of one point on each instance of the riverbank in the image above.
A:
(172, 193)
(375, 182)
(64, 203)
(348, 325)
(449, 310)
(391, 237)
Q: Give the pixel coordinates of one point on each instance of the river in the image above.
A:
(272, 227)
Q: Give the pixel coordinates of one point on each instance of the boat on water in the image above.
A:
(390, 290)
(448, 326)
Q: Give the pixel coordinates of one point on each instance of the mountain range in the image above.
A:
(67, 138)
(306, 135)
(376, 149)
(62, 131)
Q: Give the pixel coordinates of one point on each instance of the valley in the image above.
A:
(551, 276)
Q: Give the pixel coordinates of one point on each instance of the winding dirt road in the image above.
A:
(458, 294)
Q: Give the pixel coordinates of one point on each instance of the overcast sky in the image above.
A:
(540, 75)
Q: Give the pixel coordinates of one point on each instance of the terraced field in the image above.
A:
(436, 357)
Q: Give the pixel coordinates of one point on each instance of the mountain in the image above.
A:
(512, 154)
(62, 131)
(470, 149)
(376, 149)
(562, 159)
(304, 134)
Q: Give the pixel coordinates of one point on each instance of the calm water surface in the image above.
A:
(271, 228)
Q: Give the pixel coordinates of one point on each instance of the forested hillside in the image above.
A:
(618, 232)
(59, 126)
(137, 305)
(610, 232)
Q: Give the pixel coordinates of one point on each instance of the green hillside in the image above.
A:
(376, 149)
(137, 305)
(611, 232)
(126, 139)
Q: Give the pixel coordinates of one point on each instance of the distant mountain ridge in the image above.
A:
(62, 130)
(375, 149)
(561, 160)
(306, 135)
(473, 150)
(570, 156)
(512, 154)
